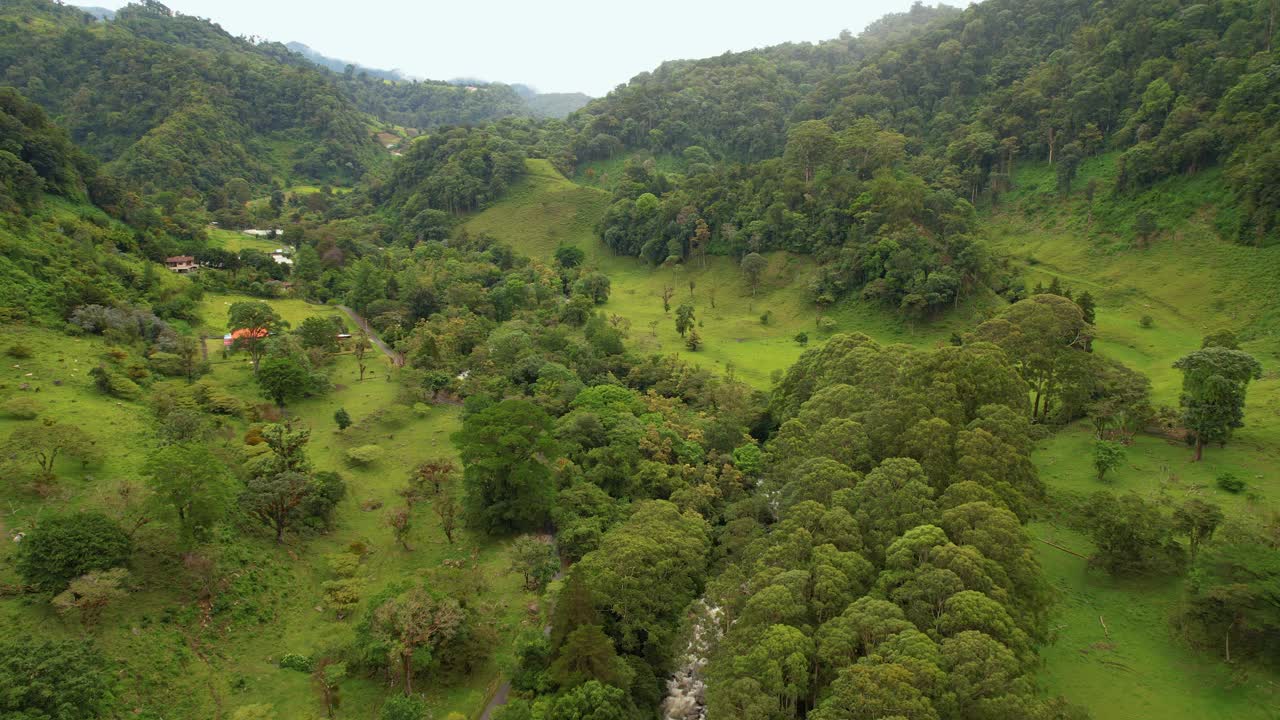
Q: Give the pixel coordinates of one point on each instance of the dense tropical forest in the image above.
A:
(928, 372)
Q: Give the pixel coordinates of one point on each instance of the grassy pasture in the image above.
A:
(167, 668)
(1190, 282)
(545, 210)
(235, 241)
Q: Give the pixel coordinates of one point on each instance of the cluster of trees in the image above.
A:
(885, 568)
(449, 171)
(876, 226)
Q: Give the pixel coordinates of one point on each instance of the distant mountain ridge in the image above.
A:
(99, 12)
(339, 65)
(500, 103)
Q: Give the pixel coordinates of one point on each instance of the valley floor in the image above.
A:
(1190, 283)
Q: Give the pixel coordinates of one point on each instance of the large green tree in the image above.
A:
(64, 547)
(1214, 382)
(251, 322)
(192, 483)
(1047, 338)
(404, 628)
(507, 451)
(54, 680)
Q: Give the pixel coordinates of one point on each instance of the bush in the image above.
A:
(294, 661)
(401, 707)
(1147, 321)
(1231, 483)
(802, 339)
(64, 679)
(343, 564)
(364, 455)
(1107, 456)
(62, 548)
(22, 408)
(767, 317)
(19, 351)
(114, 384)
(826, 324)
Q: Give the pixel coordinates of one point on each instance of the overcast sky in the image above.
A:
(553, 45)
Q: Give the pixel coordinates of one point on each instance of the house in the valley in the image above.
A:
(181, 264)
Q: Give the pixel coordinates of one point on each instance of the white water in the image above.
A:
(686, 690)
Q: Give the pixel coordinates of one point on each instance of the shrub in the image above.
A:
(294, 661)
(63, 679)
(22, 408)
(342, 418)
(403, 707)
(62, 548)
(1229, 482)
(364, 455)
(802, 339)
(343, 564)
(826, 324)
(1107, 456)
(767, 317)
(114, 384)
(394, 417)
(19, 351)
(1147, 321)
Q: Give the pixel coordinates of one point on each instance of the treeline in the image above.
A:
(60, 253)
(875, 226)
(37, 157)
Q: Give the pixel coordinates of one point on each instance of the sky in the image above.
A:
(589, 46)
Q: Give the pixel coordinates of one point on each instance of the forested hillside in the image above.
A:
(868, 151)
(172, 103)
(924, 373)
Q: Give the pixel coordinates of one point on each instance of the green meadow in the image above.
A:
(544, 210)
(235, 241)
(1188, 281)
(174, 660)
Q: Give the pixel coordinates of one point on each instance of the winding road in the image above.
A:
(504, 690)
(397, 359)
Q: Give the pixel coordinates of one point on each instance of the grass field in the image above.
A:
(1190, 282)
(167, 669)
(605, 173)
(545, 210)
(235, 241)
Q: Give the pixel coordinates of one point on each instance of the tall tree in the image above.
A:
(507, 450)
(191, 482)
(1047, 338)
(251, 323)
(407, 628)
(1214, 382)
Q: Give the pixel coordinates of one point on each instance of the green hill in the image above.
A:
(175, 103)
(543, 210)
